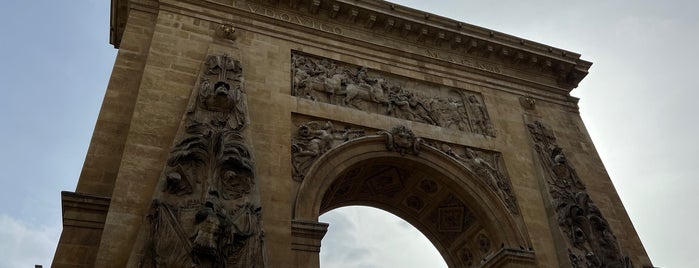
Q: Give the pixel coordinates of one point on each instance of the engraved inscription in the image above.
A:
(463, 61)
(295, 19)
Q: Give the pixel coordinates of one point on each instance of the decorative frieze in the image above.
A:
(589, 239)
(207, 211)
(358, 87)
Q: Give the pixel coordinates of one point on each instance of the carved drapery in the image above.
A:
(339, 83)
(589, 239)
(207, 212)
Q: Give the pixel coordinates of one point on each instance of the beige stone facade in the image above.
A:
(455, 128)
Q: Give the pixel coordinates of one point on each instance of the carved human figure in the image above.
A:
(363, 76)
(222, 104)
(235, 184)
(564, 174)
(421, 108)
(454, 116)
(484, 169)
(326, 80)
(372, 92)
(493, 178)
(316, 141)
(246, 238)
(399, 103)
(313, 139)
(478, 116)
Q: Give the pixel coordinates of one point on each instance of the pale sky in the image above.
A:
(638, 103)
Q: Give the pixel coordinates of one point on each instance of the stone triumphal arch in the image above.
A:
(228, 127)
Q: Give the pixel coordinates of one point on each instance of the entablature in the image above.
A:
(393, 25)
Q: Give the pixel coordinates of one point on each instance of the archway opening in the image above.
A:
(417, 194)
(361, 236)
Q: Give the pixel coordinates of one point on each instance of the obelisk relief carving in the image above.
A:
(206, 211)
(588, 237)
(329, 81)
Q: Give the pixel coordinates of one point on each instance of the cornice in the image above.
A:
(84, 210)
(388, 20)
(119, 15)
(426, 29)
(117, 21)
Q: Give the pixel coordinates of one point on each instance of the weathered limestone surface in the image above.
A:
(376, 66)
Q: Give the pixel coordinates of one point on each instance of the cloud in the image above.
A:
(24, 245)
(368, 237)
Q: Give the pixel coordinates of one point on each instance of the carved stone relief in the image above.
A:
(590, 240)
(313, 139)
(208, 212)
(339, 83)
(316, 137)
(487, 166)
(402, 140)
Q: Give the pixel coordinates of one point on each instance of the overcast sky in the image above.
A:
(639, 103)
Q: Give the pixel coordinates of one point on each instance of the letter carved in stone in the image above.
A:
(487, 166)
(590, 240)
(207, 211)
(357, 87)
(313, 139)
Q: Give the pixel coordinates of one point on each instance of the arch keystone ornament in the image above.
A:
(402, 140)
(229, 127)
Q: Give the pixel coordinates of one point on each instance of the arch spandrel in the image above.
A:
(461, 210)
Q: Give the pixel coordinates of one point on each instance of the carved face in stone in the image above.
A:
(219, 98)
(236, 184)
(560, 158)
(403, 139)
(469, 153)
